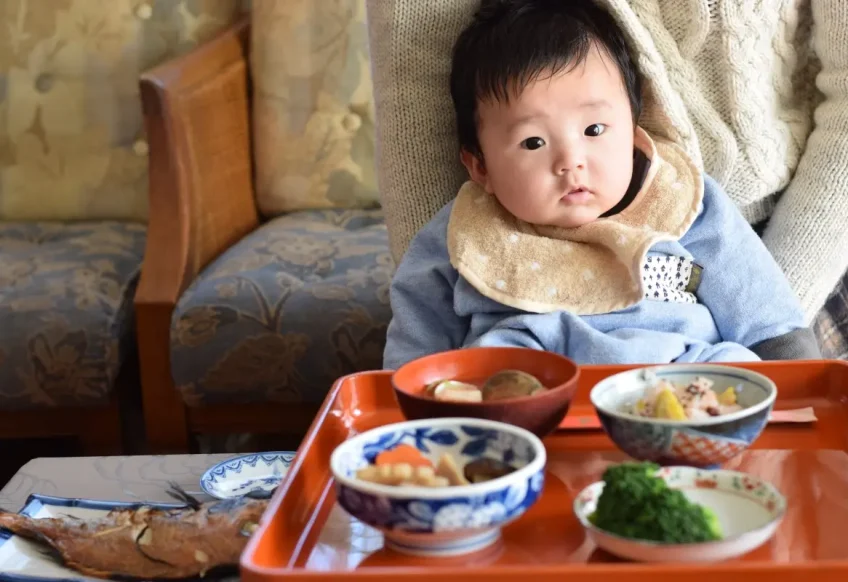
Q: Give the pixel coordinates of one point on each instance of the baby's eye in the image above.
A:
(533, 143)
(595, 130)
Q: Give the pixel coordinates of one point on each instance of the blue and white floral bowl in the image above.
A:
(706, 443)
(442, 521)
(252, 473)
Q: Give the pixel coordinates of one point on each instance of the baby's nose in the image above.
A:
(569, 162)
(570, 159)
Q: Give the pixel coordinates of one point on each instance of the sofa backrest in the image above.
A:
(313, 111)
(72, 145)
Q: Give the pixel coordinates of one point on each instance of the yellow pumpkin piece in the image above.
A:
(641, 406)
(668, 406)
(728, 397)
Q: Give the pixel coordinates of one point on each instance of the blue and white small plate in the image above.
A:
(239, 475)
(24, 561)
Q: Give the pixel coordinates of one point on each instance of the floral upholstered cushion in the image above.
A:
(66, 295)
(279, 316)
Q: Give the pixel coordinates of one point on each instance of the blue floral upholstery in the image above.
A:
(280, 315)
(66, 293)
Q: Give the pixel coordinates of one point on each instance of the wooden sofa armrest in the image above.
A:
(197, 119)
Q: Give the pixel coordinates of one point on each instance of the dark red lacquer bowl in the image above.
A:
(540, 413)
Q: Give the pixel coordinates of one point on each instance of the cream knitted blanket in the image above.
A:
(595, 268)
(733, 82)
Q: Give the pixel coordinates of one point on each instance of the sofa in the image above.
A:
(73, 204)
(267, 268)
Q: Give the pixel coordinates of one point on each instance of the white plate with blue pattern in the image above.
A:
(245, 473)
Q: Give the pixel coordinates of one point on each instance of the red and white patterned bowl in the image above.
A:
(703, 443)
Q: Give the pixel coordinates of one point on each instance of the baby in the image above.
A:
(579, 233)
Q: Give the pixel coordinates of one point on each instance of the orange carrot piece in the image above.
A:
(403, 454)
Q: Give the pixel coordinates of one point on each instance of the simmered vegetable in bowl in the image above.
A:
(519, 386)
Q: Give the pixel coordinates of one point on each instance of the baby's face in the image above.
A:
(561, 152)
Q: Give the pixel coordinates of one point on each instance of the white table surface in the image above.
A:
(137, 478)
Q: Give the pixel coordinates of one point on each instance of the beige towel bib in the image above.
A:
(595, 268)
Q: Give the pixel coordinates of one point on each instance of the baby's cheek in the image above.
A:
(536, 196)
(620, 174)
(523, 201)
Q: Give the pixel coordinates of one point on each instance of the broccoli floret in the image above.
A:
(712, 523)
(637, 504)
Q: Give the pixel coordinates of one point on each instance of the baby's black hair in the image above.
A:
(511, 43)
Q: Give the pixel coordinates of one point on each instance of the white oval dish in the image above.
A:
(748, 508)
(244, 473)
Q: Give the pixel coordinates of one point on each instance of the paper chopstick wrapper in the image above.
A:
(776, 417)
(796, 415)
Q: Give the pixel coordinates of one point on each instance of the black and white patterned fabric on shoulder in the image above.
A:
(669, 278)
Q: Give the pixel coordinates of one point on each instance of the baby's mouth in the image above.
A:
(576, 195)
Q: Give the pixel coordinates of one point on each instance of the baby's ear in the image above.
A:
(476, 169)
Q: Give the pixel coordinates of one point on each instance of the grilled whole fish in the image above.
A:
(143, 542)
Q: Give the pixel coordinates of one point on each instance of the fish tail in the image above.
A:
(12, 521)
(24, 527)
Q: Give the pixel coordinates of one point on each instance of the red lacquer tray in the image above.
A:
(306, 536)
